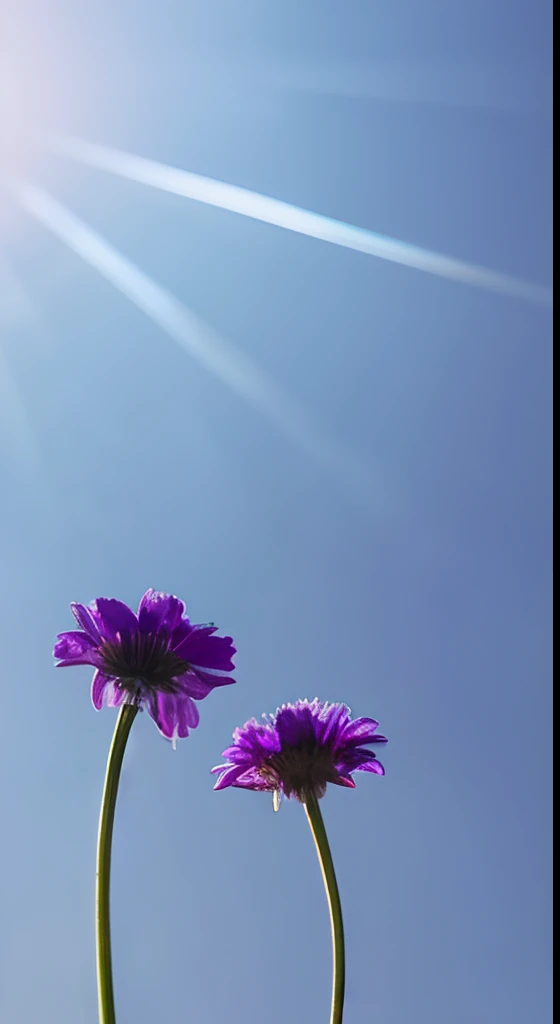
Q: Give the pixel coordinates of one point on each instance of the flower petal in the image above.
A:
(192, 686)
(374, 766)
(295, 725)
(181, 632)
(173, 713)
(344, 780)
(85, 621)
(359, 733)
(191, 712)
(258, 740)
(116, 617)
(100, 681)
(198, 684)
(201, 629)
(73, 663)
(211, 679)
(351, 760)
(105, 692)
(76, 648)
(331, 723)
(221, 768)
(204, 651)
(229, 774)
(159, 612)
(238, 755)
(251, 779)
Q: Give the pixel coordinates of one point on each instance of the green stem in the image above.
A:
(317, 826)
(127, 714)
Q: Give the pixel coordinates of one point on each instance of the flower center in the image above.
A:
(144, 659)
(300, 770)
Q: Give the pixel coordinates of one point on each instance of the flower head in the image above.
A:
(299, 750)
(155, 659)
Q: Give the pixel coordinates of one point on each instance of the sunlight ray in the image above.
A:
(214, 352)
(293, 218)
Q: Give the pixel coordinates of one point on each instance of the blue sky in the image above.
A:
(400, 562)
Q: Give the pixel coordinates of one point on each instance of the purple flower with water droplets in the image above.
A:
(299, 750)
(155, 659)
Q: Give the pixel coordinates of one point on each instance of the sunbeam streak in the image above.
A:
(212, 351)
(293, 218)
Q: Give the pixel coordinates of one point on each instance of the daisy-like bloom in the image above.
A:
(296, 753)
(155, 659)
(299, 750)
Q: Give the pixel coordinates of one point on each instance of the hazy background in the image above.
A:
(422, 599)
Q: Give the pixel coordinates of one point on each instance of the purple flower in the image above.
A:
(156, 659)
(299, 750)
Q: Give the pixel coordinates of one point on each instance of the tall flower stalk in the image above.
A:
(154, 659)
(296, 753)
(319, 832)
(105, 994)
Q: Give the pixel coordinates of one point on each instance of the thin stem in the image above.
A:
(127, 714)
(317, 826)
